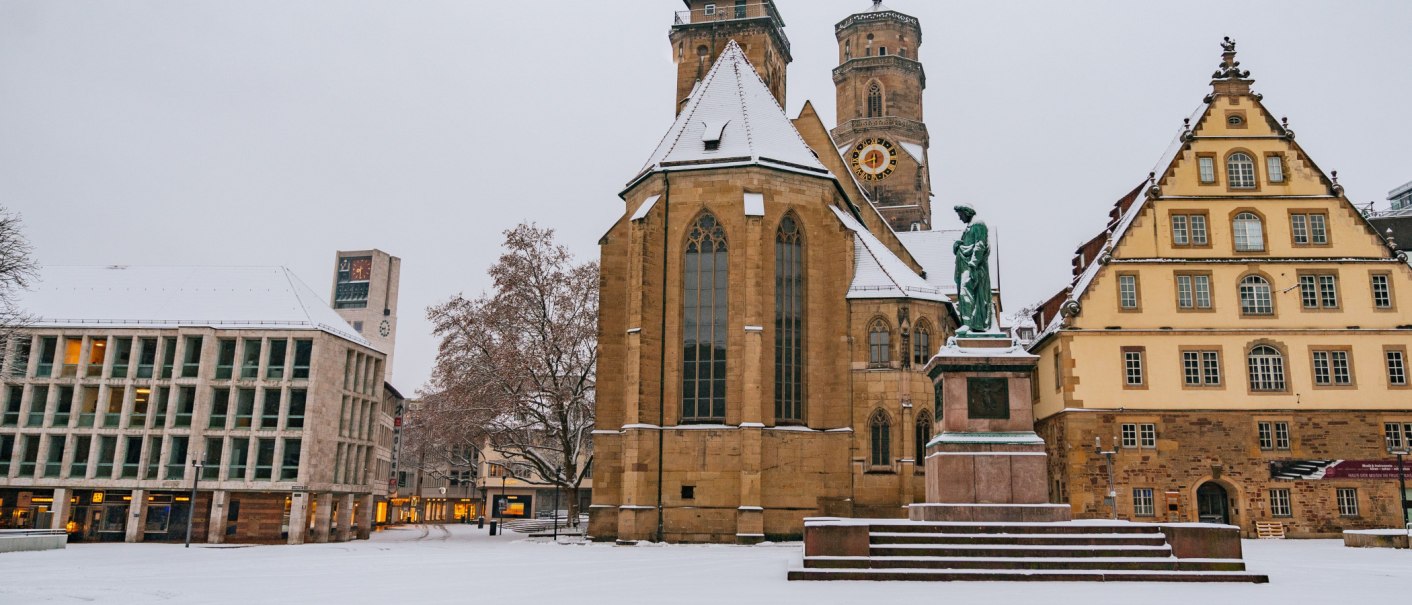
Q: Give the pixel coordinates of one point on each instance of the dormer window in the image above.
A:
(711, 136)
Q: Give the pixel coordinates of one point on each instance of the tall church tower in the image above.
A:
(701, 33)
(879, 112)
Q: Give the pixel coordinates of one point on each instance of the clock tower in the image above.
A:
(700, 33)
(365, 295)
(879, 129)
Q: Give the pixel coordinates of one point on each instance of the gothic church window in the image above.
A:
(875, 101)
(879, 344)
(704, 279)
(789, 321)
(921, 343)
(923, 435)
(880, 440)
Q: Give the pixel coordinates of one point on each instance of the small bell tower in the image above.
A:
(701, 32)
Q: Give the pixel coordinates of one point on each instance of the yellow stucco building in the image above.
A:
(1238, 333)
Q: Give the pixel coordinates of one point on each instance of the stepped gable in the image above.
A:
(1208, 121)
(733, 107)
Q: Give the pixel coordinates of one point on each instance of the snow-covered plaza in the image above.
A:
(460, 564)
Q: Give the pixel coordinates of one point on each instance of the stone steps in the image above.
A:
(1088, 551)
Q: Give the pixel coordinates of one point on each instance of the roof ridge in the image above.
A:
(740, 91)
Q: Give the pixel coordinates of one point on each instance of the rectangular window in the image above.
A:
(1133, 375)
(132, 456)
(1396, 367)
(1181, 235)
(10, 414)
(225, 358)
(159, 407)
(30, 460)
(1347, 502)
(107, 456)
(269, 412)
(289, 466)
(1331, 368)
(1127, 291)
(63, 407)
(1207, 167)
(297, 400)
(97, 352)
(88, 406)
(38, 402)
(73, 351)
(54, 462)
(7, 451)
(303, 353)
(153, 469)
(1318, 290)
(48, 348)
(1189, 230)
(1143, 503)
(176, 457)
(244, 408)
(1201, 368)
(78, 469)
(191, 366)
(168, 356)
(1129, 432)
(211, 461)
(114, 412)
(1279, 503)
(274, 370)
(1275, 168)
(1194, 290)
(185, 406)
(147, 357)
(1147, 435)
(250, 360)
(1273, 435)
(141, 401)
(239, 458)
(264, 459)
(220, 404)
(122, 357)
(1382, 291)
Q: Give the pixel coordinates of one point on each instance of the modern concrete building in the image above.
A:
(131, 376)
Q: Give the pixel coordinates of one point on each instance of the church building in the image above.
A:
(763, 326)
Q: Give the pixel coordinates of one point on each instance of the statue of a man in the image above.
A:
(973, 273)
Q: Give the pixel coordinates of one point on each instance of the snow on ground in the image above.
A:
(460, 564)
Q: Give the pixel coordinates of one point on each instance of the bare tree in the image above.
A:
(17, 272)
(516, 367)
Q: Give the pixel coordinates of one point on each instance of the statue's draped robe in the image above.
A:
(973, 277)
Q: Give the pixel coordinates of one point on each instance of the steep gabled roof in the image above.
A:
(733, 106)
(265, 298)
(878, 273)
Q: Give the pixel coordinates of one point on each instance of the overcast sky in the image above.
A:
(275, 132)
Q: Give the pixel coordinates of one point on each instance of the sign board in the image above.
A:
(1315, 470)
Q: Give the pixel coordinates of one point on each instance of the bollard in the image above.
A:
(493, 526)
(480, 522)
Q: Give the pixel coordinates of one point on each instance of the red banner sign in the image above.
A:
(1314, 470)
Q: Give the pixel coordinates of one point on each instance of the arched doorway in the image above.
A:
(1212, 503)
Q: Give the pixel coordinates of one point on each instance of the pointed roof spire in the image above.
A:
(732, 118)
(1230, 78)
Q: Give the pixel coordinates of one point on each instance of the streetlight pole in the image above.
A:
(196, 465)
(1112, 498)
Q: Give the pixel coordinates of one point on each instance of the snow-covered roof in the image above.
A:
(932, 249)
(733, 106)
(916, 151)
(270, 298)
(878, 273)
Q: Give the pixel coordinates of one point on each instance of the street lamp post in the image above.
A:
(1112, 498)
(196, 465)
(1400, 450)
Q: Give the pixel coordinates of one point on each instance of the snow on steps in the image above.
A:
(1020, 552)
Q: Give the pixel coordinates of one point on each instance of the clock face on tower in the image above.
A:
(874, 159)
(384, 328)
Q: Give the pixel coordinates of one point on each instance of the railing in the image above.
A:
(18, 533)
(729, 11)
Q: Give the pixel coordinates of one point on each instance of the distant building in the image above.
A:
(1401, 197)
(130, 375)
(1395, 223)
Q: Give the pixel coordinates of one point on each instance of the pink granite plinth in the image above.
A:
(990, 513)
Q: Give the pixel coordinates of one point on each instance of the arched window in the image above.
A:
(922, 435)
(847, 50)
(1249, 232)
(704, 279)
(875, 100)
(1240, 171)
(921, 343)
(879, 344)
(789, 321)
(880, 440)
(1267, 369)
(1255, 296)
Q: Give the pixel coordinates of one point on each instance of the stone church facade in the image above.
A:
(750, 243)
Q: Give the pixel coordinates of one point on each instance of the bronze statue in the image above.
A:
(973, 273)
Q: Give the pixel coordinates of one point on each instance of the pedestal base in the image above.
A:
(990, 513)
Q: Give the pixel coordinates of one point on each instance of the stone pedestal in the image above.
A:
(986, 463)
